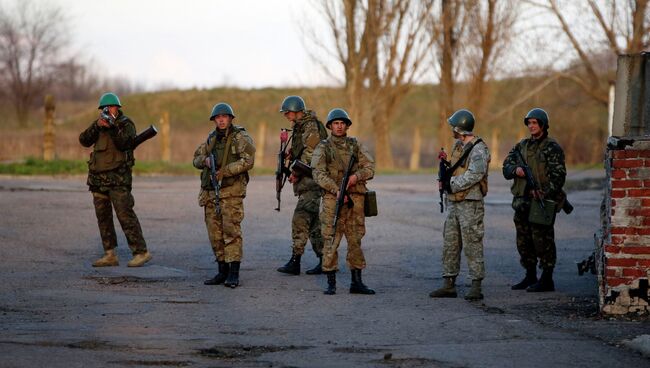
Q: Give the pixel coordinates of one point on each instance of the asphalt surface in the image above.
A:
(58, 311)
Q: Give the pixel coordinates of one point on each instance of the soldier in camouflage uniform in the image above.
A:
(307, 131)
(234, 153)
(109, 180)
(545, 158)
(330, 162)
(465, 190)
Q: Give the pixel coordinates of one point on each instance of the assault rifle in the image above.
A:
(532, 184)
(282, 172)
(145, 135)
(343, 194)
(443, 176)
(215, 181)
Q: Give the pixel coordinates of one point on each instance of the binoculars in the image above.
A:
(106, 115)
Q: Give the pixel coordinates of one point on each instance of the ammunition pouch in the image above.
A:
(370, 204)
(542, 216)
(301, 169)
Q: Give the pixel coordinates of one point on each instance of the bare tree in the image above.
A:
(448, 31)
(381, 45)
(612, 27)
(489, 34)
(32, 38)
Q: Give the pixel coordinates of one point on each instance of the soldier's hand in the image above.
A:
(103, 123)
(520, 172)
(352, 181)
(219, 175)
(207, 162)
(293, 178)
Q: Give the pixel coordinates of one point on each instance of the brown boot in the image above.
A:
(108, 260)
(475, 292)
(139, 259)
(448, 290)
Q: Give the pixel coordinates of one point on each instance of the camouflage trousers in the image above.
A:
(464, 229)
(122, 200)
(351, 223)
(224, 230)
(305, 224)
(534, 241)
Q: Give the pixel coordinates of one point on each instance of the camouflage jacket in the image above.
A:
(235, 172)
(307, 133)
(468, 177)
(545, 157)
(122, 136)
(331, 158)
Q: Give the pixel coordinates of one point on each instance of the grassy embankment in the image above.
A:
(577, 123)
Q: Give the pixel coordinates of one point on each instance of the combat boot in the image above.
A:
(448, 290)
(108, 260)
(221, 276)
(529, 279)
(357, 286)
(475, 291)
(318, 269)
(293, 266)
(233, 275)
(545, 282)
(139, 259)
(331, 283)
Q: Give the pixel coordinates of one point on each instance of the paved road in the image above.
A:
(57, 311)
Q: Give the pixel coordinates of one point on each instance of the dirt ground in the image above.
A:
(58, 311)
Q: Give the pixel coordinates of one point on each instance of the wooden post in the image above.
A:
(260, 144)
(495, 158)
(414, 163)
(165, 140)
(48, 131)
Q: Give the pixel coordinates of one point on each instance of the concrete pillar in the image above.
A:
(632, 101)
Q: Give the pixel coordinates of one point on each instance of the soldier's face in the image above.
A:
(533, 127)
(290, 115)
(113, 109)
(339, 128)
(222, 121)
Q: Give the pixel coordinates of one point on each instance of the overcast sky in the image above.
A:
(196, 43)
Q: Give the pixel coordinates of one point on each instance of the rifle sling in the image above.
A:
(462, 158)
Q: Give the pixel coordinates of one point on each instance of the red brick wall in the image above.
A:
(625, 262)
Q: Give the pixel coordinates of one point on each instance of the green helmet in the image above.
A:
(221, 108)
(109, 99)
(292, 103)
(337, 114)
(538, 114)
(462, 121)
